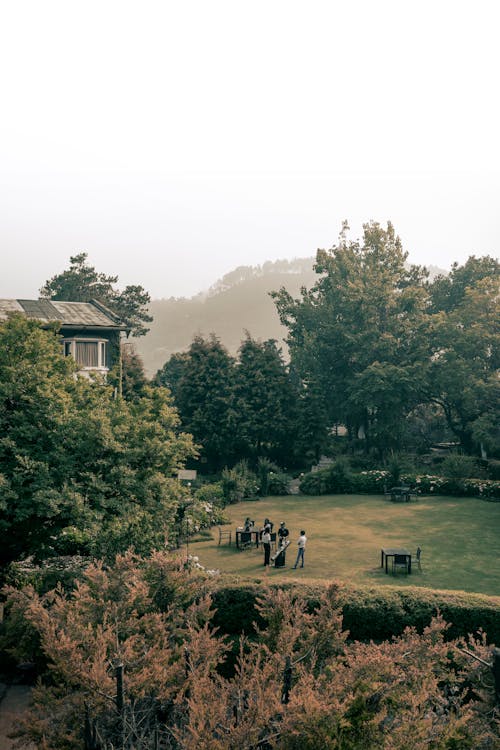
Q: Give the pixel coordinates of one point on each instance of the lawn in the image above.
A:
(459, 537)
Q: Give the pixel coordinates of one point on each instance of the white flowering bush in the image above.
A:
(203, 515)
(371, 481)
(193, 563)
(376, 481)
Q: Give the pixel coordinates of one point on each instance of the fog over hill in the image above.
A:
(237, 303)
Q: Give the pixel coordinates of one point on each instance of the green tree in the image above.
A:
(312, 430)
(461, 371)
(202, 383)
(82, 283)
(264, 401)
(361, 323)
(449, 291)
(131, 371)
(172, 371)
(80, 469)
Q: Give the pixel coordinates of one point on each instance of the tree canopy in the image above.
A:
(377, 340)
(235, 408)
(80, 469)
(82, 283)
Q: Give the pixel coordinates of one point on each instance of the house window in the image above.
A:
(87, 353)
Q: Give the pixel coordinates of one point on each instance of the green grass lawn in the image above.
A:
(459, 537)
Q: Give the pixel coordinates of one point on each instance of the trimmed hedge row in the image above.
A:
(338, 479)
(370, 613)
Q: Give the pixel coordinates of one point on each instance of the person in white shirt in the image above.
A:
(302, 541)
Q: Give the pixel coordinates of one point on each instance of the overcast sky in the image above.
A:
(174, 141)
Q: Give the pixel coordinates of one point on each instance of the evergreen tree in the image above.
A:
(265, 401)
(461, 372)
(312, 432)
(357, 333)
(82, 283)
(131, 372)
(202, 383)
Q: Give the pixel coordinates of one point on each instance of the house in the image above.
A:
(90, 331)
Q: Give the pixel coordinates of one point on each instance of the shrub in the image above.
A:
(375, 613)
(335, 479)
(429, 484)
(372, 482)
(265, 468)
(239, 483)
(372, 613)
(494, 469)
(406, 691)
(332, 481)
(278, 483)
(457, 466)
(203, 514)
(235, 610)
(313, 483)
(211, 493)
(338, 477)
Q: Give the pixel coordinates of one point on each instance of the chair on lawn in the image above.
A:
(224, 535)
(245, 539)
(400, 562)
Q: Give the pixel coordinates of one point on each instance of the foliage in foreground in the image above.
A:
(415, 690)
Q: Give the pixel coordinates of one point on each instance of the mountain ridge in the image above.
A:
(238, 303)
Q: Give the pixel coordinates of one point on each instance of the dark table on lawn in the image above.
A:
(401, 494)
(387, 552)
(254, 536)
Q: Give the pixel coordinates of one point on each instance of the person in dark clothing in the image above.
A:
(269, 523)
(248, 524)
(266, 543)
(283, 533)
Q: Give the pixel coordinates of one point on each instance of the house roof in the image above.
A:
(70, 314)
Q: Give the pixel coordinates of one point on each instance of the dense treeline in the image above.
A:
(375, 346)
(235, 408)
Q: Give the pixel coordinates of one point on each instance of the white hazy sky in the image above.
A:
(174, 141)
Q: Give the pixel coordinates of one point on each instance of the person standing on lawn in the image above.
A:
(279, 558)
(301, 542)
(266, 543)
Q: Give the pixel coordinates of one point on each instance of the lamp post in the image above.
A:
(184, 518)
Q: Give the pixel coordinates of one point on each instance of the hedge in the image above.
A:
(336, 479)
(370, 613)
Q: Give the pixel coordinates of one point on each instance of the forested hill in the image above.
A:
(236, 303)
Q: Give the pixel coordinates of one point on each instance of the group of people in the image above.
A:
(282, 544)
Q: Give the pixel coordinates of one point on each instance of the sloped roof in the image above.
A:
(67, 313)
